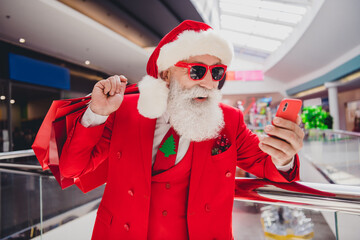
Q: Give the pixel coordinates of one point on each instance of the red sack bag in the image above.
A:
(57, 110)
(60, 128)
(52, 135)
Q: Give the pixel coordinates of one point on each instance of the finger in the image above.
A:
(100, 84)
(285, 134)
(298, 120)
(286, 124)
(122, 88)
(106, 86)
(278, 144)
(123, 79)
(123, 84)
(118, 84)
(113, 85)
(273, 152)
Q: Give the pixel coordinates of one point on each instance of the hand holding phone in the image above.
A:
(285, 138)
(289, 109)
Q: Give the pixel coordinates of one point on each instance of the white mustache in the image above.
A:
(198, 91)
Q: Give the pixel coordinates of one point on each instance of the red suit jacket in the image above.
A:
(124, 143)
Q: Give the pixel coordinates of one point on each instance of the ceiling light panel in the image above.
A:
(263, 44)
(274, 14)
(260, 25)
(269, 5)
(251, 26)
(282, 7)
(250, 41)
(240, 39)
(279, 16)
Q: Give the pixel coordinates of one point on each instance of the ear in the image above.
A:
(165, 75)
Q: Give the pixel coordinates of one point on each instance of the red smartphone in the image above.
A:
(289, 109)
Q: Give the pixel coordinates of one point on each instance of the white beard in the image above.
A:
(196, 121)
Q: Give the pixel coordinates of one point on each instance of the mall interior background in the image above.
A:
(58, 49)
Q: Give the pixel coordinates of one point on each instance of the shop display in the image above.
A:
(260, 113)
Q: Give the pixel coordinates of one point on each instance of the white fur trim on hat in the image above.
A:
(153, 97)
(191, 43)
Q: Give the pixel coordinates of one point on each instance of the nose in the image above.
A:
(207, 82)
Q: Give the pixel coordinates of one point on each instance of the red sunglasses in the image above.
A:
(197, 71)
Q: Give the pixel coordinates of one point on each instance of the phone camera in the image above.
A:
(285, 107)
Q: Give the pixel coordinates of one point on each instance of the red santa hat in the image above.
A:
(188, 39)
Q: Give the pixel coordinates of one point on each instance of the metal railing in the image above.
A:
(328, 131)
(314, 196)
(21, 168)
(356, 134)
(17, 154)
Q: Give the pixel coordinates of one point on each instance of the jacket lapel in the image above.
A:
(146, 136)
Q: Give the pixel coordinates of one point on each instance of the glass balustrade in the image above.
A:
(335, 153)
(20, 205)
(33, 203)
(34, 206)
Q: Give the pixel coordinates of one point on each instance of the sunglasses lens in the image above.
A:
(217, 73)
(197, 72)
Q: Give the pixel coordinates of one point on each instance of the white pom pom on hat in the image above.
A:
(189, 38)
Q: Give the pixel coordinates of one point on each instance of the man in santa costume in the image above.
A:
(172, 150)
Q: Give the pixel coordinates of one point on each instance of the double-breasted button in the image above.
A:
(164, 213)
(118, 155)
(131, 192)
(207, 208)
(167, 185)
(228, 174)
(126, 227)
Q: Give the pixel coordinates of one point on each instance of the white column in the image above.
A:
(333, 103)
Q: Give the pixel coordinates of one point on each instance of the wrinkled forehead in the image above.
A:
(204, 59)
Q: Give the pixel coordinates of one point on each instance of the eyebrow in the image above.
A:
(207, 64)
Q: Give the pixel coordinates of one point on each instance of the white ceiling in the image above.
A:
(53, 28)
(332, 39)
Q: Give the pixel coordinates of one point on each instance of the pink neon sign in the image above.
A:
(255, 75)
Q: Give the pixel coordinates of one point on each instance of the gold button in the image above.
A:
(167, 186)
(207, 207)
(164, 213)
(131, 192)
(118, 155)
(126, 227)
(228, 174)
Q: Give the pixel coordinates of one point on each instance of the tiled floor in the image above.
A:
(247, 225)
